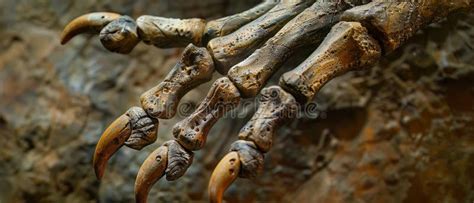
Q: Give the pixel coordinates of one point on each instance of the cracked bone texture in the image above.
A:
(251, 159)
(120, 35)
(194, 68)
(309, 27)
(144, 128)
(192, 131)
(226, 25)
(347, 47)
(275, 106)
(170, 32)
(179, 160)
(231, 49)
(393, 23)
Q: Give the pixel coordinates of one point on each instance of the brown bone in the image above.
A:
(194, 68)
(347, 47)
(120, 35)
(251, 159)
(179, 160)
(231, 49)
(226, 25)
(192, 131)
(170, 32)
(309, 27)
(275, 106)
(394, 22)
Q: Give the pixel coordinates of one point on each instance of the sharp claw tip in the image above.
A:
(223, 175)
(152, 169)
(111, 140)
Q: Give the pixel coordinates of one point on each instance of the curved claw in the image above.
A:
(111, 140)
(151, 171)
(89, 22)
(135, 129)
(224, 174)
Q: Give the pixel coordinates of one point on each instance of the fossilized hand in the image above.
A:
(248, 48)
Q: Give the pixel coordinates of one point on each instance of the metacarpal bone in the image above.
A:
(309, 27)
(348, 46)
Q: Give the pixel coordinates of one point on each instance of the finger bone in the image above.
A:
(192, 131)
(275, 106)
(120, 35)
(194, 68)
(347, 47)
(170, 32)
(226, 25)
(179, 160)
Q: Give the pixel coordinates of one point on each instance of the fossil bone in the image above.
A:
(179, 159)
(120, 35)
(226, 25)
(194, 68)
(170, 32)
(192, 131)
(92, 22)
(275, 106)
(394, 22)
(230, 49)
(309, 27)
(348, 46)
(134, 129)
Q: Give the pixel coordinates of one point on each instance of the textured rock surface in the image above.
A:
(400, 132)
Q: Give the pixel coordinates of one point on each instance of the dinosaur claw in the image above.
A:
(92, 22)
(111, 140)
(224, 174)
(151, 171)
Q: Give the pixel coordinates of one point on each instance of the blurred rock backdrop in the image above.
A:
(400, 132)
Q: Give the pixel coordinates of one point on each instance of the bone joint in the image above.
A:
(120, 35)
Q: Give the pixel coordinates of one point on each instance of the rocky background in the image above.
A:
(400, 132)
